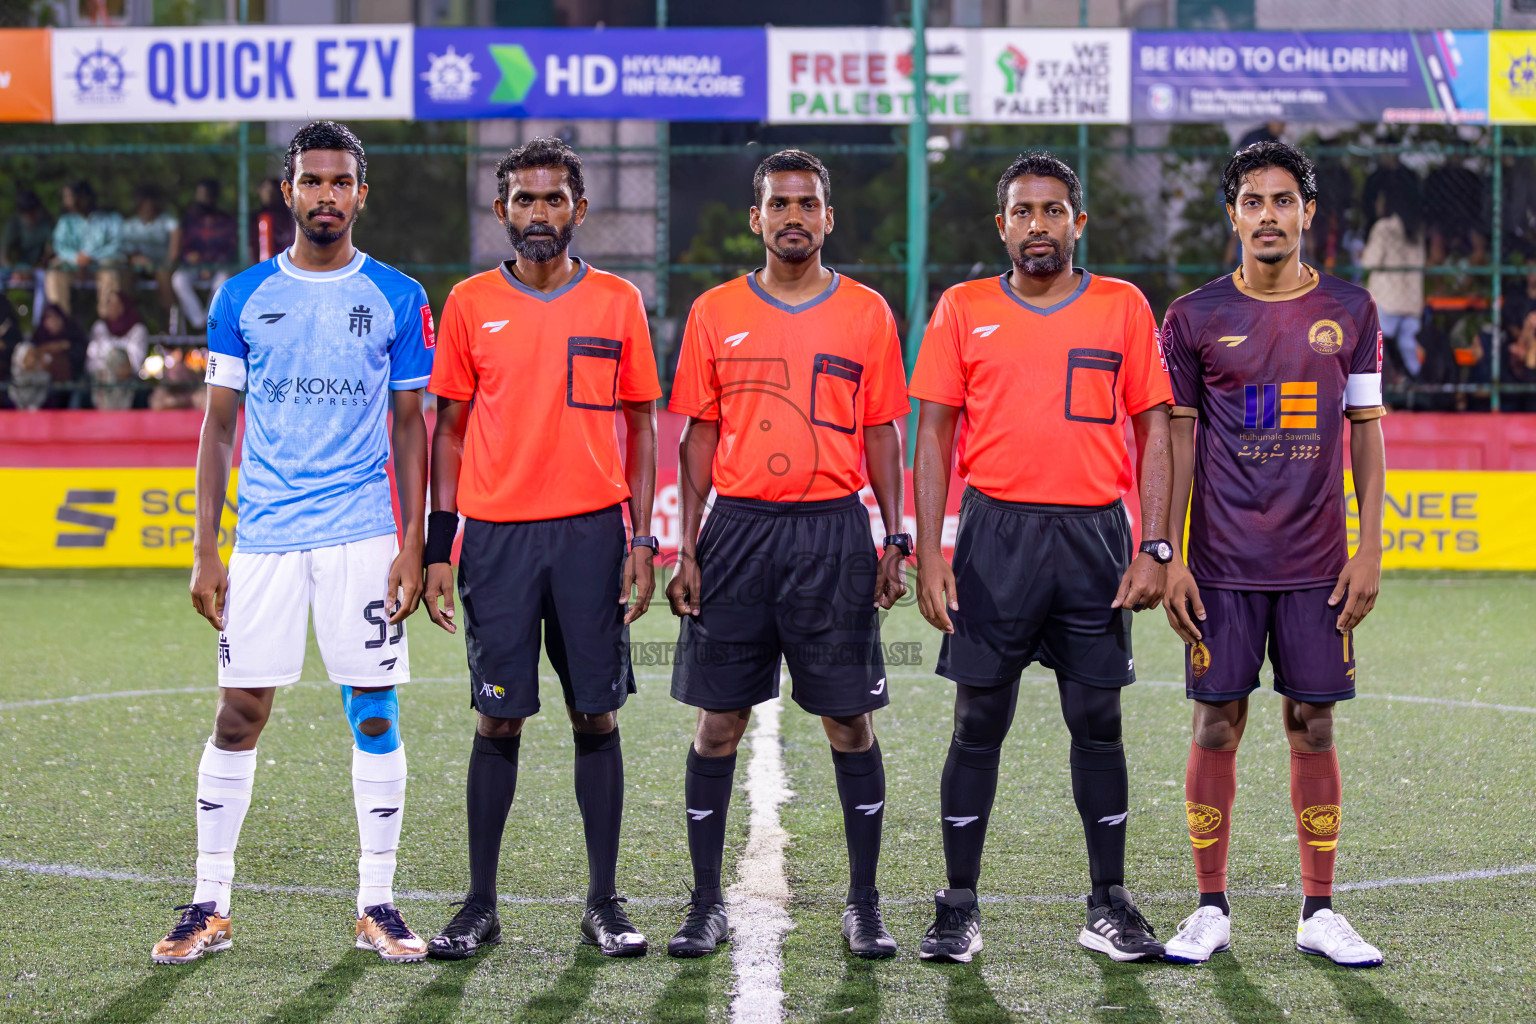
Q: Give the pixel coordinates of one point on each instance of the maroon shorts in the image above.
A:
(1314, 663)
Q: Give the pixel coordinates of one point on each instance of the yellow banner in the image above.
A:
(102, 518)
(1442, 519)
(1512, 77)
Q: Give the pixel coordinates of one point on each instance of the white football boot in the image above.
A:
(1205, 932)
(1328, 934)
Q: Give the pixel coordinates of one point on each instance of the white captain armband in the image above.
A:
(226, 371)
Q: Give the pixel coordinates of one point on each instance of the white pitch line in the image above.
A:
(758, 903)
(213, 689)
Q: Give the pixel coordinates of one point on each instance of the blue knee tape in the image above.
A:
(373, 704)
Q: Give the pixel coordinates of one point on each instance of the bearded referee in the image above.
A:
(791, 379)
(537, 359)
(1044, 363)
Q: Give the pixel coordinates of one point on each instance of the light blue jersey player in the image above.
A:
(324, 342)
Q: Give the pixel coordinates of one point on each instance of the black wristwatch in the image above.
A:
(643, 541)
(902, 542)
(1160, 550)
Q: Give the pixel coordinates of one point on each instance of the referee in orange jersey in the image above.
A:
(791, 379)
(1044, 363)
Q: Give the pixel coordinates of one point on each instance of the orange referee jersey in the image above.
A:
(792, 386)
(1045, 391)
(547, 374)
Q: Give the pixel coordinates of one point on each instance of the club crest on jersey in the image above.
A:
(360, 320)
(1199, 658)
(1203, 818)
(1322, 819)
(1326, 337)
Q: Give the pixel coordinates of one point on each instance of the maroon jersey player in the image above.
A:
(1269, 362)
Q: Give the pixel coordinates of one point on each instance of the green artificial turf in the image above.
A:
(107, 785)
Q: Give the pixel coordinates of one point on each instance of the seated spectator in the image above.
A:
(1520, 364)
(180, 387)
(59, 345)
(1397, 240)
(27, 246)
(10, 338)
(119, 343)
(86, 242)
(209, 244)
(272, 226)
(30, 379)
(151, 238)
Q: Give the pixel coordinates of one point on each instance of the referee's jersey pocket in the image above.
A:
(592, 373)
(835, 392)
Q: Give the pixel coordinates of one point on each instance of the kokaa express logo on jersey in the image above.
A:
(1326, 337)
(316, 390)
(99, 75)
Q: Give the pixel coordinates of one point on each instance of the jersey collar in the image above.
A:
(511, 279)
(353, 266)
(1295, 293)
(1082, 286)
(762, 293)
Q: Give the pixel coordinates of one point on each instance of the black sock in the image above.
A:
(966, 791)
(861, 788)
(706, 797)
(1102, 793)
(488, 795)
(1216, 899)
(600, 795)
(1312, 904)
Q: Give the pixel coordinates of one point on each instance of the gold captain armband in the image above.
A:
(1185, 412)
(1374, 412)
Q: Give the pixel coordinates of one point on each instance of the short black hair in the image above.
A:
(1041, 163)
(146, 191)
(83, 190)
(791, 160)
(1269, 154)
(541, 152)
(325, 135)
(27, 201)
(211, 186)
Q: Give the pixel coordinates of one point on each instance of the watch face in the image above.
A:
(1164, 552)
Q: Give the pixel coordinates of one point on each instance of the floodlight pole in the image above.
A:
(917, 186)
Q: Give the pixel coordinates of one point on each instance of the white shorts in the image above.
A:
(266, 616)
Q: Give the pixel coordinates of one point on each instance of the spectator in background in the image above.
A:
(209, 243)
(1335, 196)
(10, 338)
(119, 343)
(272, 226)
(1456, 207)
(1269, 131)
(58, 345)
(151, 238)
(86, 242)
(1388, 176)
(1397, 240)
(1518, 365)
(30, 379)
(27, 246)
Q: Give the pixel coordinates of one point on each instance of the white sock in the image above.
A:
(223, 796)
(378, 789)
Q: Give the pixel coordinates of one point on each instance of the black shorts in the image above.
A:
(790, 579)
(1314, 663)
(1035, 582)
(564, 573)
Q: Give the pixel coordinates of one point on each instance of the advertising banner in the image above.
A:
(1438, 77)
(668, 74)
(26, 89)
(1054, 76)
(864, 75)
(1441, 519)
(233, 73)
(103, 518)
(1512, 77)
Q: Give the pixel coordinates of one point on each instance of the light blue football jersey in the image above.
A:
(317, 355)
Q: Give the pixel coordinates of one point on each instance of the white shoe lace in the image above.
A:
(1194, 929)
(1339, 933)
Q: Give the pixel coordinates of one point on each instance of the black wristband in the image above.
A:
(441, 529)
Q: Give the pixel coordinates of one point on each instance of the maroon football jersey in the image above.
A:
(1271, 381)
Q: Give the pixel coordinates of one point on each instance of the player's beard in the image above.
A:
(1274, 256)
(1042, 266)
(794, 254)
(540, 243)
(321, 235)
